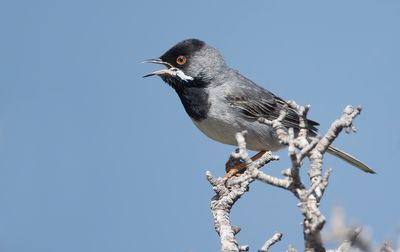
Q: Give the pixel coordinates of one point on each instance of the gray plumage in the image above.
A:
(221, 102)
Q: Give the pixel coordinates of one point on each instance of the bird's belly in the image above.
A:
(259, 136)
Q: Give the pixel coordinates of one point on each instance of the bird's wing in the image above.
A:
(253, 102)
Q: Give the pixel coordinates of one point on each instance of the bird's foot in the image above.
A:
(235, 167)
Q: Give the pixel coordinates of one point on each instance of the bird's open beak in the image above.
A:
(166, 71)
(169, 71)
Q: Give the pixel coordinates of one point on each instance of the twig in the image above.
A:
(271, 241)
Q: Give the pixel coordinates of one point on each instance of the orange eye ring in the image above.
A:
(181, 60)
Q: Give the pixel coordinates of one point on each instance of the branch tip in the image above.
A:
(271, 241)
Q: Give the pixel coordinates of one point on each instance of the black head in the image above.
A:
(189, 63)
(179, 54)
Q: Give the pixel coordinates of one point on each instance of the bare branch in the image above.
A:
(351, 239)
(282, 183)
(345, 121)
(228, 192)
(277, 125)
(242, 152)
(386, 247)
(271, 241)
(300, 146)
(314, 148)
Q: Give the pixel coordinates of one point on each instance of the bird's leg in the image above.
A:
(233, 167)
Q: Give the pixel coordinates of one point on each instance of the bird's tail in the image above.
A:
(349, 159)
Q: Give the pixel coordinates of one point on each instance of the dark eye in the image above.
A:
(181, 60)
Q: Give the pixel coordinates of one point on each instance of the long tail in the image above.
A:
(349, 159)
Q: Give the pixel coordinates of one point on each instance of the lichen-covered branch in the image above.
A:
(228, 192)
(300, 146)
(271, 241)
(314, 148)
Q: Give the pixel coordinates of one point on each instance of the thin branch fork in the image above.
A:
(228, 192)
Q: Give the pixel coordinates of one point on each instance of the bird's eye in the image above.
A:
(181, 60)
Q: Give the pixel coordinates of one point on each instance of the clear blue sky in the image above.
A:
(95, 158)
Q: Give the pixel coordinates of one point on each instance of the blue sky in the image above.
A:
(95, 158)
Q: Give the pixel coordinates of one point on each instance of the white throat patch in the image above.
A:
(176, 72)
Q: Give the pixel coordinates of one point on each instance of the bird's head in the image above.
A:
(189, 63)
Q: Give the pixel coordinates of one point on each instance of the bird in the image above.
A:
(221, 102)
